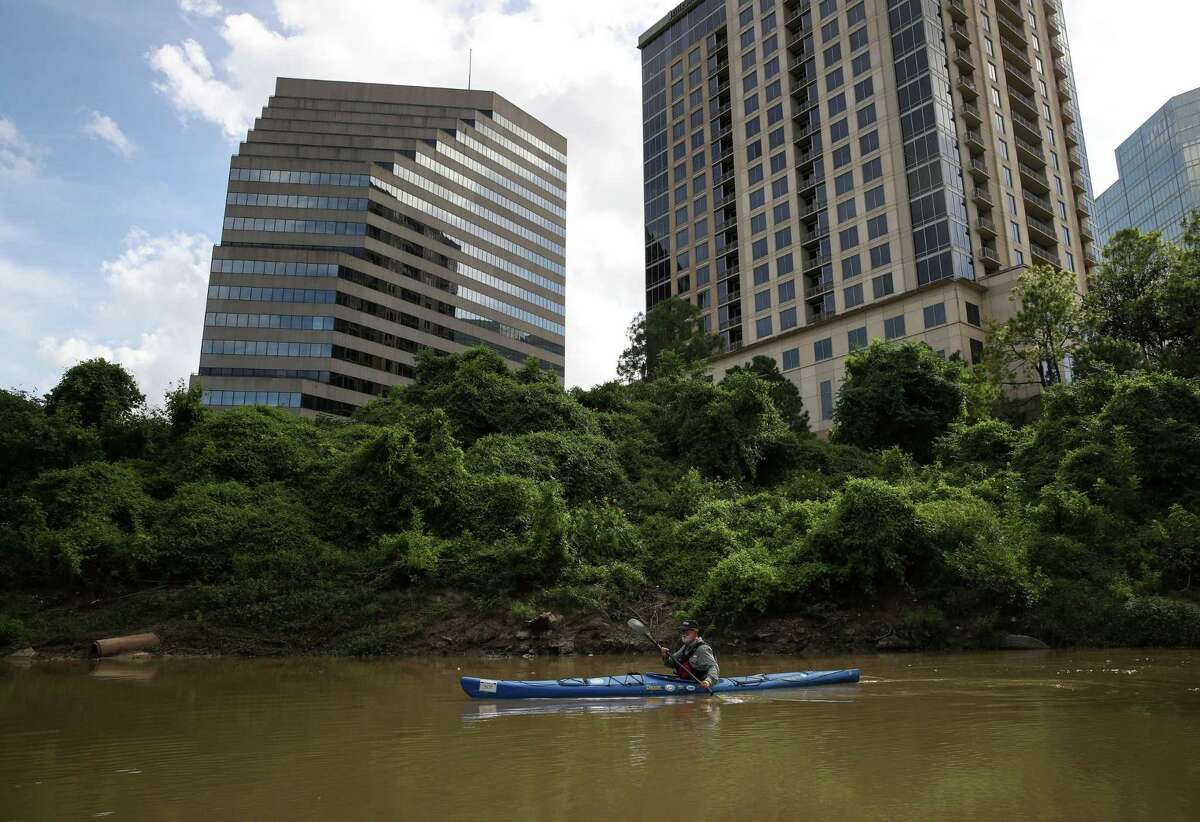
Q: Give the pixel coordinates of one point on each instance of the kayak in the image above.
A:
(634, 685)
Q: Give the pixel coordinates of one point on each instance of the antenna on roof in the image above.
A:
(470, 55)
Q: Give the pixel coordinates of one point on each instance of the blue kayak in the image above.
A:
(627, 685)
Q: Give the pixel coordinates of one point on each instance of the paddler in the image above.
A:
(694, 656)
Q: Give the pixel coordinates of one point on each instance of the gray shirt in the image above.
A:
(702, 659)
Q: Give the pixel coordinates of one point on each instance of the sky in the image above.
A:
(118, 119)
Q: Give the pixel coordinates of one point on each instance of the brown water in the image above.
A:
(1039, 735)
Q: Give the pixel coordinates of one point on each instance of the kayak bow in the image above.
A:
(632, 685)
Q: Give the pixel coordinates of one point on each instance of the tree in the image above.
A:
(898, 395)
(784, 392)
(97, 393)
(672, 327)
(1147, 295)
(1041, 335)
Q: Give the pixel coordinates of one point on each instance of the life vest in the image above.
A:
(683, 663)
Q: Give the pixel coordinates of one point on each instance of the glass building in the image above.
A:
(1159, 173)
(365, 223)
(820, 173)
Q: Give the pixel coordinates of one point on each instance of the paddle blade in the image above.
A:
(640, 629)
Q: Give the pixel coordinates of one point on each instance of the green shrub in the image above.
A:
(739, 585)
(12, 631)
(1160, 622)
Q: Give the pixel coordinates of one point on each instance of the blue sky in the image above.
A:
(118, 118)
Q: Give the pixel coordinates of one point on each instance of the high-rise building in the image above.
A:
(819, 174)
(1159, 173)
(364, 223)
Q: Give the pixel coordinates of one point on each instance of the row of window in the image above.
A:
(538, 180)
(496, 177)
(293, 226)
(304, 322)
(520, 151)
(249, 198)
(538, 143)
(266, 348)
(283, 176)
(276, 295)
(280, 399)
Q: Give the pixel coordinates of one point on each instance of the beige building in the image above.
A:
(820, 174)
(365, 223)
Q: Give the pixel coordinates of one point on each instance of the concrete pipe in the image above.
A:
(124, 644)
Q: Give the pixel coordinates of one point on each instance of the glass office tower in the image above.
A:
(365, 223)
(819, 173)
(1159, 173)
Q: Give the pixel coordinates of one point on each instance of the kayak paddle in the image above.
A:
(638, 627)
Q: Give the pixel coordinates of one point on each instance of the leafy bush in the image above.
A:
(741, 584)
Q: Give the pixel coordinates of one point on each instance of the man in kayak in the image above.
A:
(693, 657)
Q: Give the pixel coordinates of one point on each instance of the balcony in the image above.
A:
(1045, 256)
(1085, 230)
(1073, 136)
(818, 288)
(1060, 69)
(1012, 10)
(801, 48)
(1058, 47)
(967, 87)
(1041, 231)
(1053, 21)
(960, 34)
(1034, 179)
(1016, 54)
(987, 254)
(814, 235)
(804, 158)
(1031, 152)
(814, 264)
(1024, 127)
(962, 57)
(809, 209)
(1070, 113)
(985, 227)
(958, 10)
(1037, 204)
(978, 169)
(1075, 159)
(971, 114)
(1019, 78)
(982, 197)
(809, 182)
(805, 130)
(1014, 28)
(1083, 206)
(803, 103)
(1024, 102)
(975, 139)
(1077, 184)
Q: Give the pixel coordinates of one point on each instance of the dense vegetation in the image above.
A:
(1083, 526)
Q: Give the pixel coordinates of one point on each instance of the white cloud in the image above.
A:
(19, 159)
(1127, 65)
(204, 8)
(105, 128)
(575, 66)
(150, 321)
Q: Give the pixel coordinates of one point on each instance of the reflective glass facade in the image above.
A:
(1159, 168)
(457, 238)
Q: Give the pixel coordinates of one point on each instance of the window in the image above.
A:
(762, 327)
(758, 223)
(762, 273)
(829, 31)
(872, 170)
(973, 316)
(856, 13)
(773, 90)
(752, 127)
(774, 114)
(877, 227)
(846, 210)
(843, 182)
(826, 400)
(758, 198)
(791, 359)
(881, 255)
(853, 296)
(836, 104)
(863, 89)
(858, 39)
(893, 327)
(783, 238)
(702, 275)
(866, 115)
(756, 174)
(1014, 230)
(834, 79)
(787, 319)
(771, 68)
(753, 151)
(841, 156)
(868, 142)
(839, 131)
(683, 284)
(762, 300)
(787, 291)
(823, 349)
(976, 351)
(782, 211)
(784, 265)
(759, 249)
(881, 286)
(935, 315)
(848, 238)
(872, 200)
(779, 187)
(833, 54)
(851, 267)
(860, 63)
(704, 298)
(856, 338)
(776, 138)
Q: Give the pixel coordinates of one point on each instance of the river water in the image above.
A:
(1024, 735)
